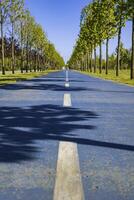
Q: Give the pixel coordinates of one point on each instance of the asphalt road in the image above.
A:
(33, 121)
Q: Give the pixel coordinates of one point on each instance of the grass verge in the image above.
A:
(124, 76)
(13, 78)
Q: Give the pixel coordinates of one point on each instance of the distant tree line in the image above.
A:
(101, 21)
(24, 45)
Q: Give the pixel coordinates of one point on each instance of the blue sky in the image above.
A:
(60, 19)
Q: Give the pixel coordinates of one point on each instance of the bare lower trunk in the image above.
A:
(30, 60)
(118, 49)
(22, 61)
(2, 49)
(22, 52)
(95, 60)
(27, 56)
(88, 59)
(107, 60)
(91, 61)
(13, 60)
(100, 60)
(37, 61)
(81, 65)
(132, 61)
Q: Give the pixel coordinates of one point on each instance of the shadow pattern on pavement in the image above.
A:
(20, 128)
(40, 86)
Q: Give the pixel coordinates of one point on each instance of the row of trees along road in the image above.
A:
(102, 20)
(23, 43)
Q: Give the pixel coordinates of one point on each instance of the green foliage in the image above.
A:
(97, 24)
(27, 41)
(100, 21)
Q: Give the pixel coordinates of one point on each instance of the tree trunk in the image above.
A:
(13, 61)
(118, 48)
(81, 65)
(88, 59)
(29, 66)
(84, 69)
(2, 47)
(27, 56)
(107, 58)
(91, 62)
(22, 53)
(95, 60)
(132, 59)
(100, 60)
(34, 64)
(85, 62)
(22, 61)
(37, 61)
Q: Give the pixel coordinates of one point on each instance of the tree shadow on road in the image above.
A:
(111, 91)
(21, 128)
(54, 84)
(51, 79)
(41, 86)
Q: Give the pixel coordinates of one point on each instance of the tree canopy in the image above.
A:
(100, 21)
(24, 43)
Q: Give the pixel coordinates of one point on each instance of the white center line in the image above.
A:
(67, 100)
(67, 80)
(68, 185)
(67, 84)
(67, 76)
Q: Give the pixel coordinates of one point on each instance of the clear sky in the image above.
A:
(61, 18)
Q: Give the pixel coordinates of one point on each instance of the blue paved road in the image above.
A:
(33, 121)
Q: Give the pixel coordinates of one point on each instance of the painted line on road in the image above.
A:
(67, 76)
(68, 181)
(67, 84)
(67, 79)
(68, 184)
(67, 100)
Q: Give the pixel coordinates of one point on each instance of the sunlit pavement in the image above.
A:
(33, 121)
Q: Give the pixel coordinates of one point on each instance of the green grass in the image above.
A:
(124, 76)
(13, 78)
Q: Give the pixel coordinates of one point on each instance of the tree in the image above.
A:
(109, 28)
(25, 46)
(121, 19)
(100, 21)
(4, 9)
(132, 60)
(15, 12)
(130, 12)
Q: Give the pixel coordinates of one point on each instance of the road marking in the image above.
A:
(67, 84)
(68, 184)
(67, 79)
(67, 76)
(67, 100)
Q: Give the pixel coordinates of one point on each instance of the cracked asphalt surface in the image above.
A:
(33, 121)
